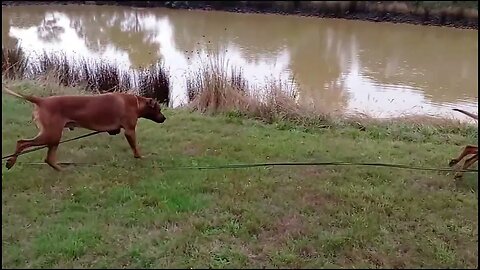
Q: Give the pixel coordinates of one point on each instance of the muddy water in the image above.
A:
(379, 69)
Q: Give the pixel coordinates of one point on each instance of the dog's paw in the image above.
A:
(10, 163)
(452, 162)
(138, 156)
(458, 176)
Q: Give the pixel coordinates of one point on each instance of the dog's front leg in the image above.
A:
(468, 150)
(131, 138)
(466, 165)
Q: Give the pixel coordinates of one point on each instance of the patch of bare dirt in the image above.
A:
(288, 227)
(367, 257)
(272, 238)
(192, 150)
(315, 199)
(313, 171)
(430, 184)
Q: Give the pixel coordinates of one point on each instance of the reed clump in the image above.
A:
(14, 63)
(216, 88)
(94, 75)
(154, 82)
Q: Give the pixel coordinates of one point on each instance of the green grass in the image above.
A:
(130, 213)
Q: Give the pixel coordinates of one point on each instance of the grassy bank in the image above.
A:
(130, 213)
(444, 13)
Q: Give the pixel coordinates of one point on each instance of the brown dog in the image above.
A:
(468, 150)
(105, 112)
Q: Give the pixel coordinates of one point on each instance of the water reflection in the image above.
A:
(347, 66)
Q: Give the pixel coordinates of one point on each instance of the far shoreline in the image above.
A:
(455, 16)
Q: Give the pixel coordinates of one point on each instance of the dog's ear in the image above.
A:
(151, 102)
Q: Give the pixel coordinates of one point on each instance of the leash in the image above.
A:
(64, 141)
(241, 166)
(272, 164)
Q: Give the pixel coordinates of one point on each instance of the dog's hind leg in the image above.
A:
(468, 150)
(40, 139)
(50, 138)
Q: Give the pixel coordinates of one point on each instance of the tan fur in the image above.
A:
(104, 112)
(468, 150)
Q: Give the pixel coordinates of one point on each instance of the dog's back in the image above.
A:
(98, 112)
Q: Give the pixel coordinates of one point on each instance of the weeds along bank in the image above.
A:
(92, 74)
(213, 89)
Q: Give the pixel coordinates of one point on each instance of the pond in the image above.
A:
(342, 66)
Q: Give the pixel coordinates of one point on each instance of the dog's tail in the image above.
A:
(474, 116)
(32, 99)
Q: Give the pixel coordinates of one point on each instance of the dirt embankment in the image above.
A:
(460, 14)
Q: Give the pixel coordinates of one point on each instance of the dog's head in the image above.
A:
(152, 111)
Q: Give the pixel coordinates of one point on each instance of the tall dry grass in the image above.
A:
(154, 82)
(14, 63)
(217, 88)
(54, 67)
(214, 87)
(102, 76)
(94, 75)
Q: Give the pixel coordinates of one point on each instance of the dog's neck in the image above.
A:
(138, 104)
(141, 105)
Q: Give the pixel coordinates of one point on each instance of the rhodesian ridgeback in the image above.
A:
(468, 150)
(104, 112)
